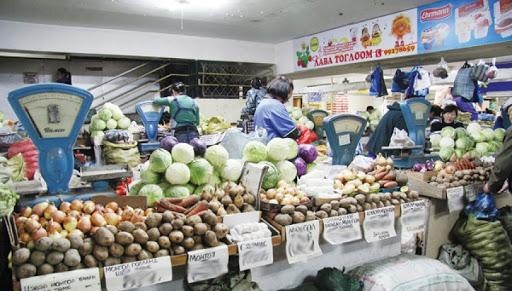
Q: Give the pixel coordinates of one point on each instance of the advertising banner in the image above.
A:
(389, 36)
(449, 25)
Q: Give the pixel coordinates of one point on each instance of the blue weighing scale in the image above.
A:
(150, 115)
(52, 114)
(343, 132)
(416, 112)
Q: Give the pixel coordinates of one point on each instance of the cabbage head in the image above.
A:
(499, 134)
(459, 153)
(474, 127)
(482, 148)
(135, 188)
(446, 153)
(233, 170)
(177, 191)
(296, 113)
(446, 142)
(204, 188)
(287, 171)
(111, 124)
(191, 188)
(448, 132)
(177, 174)
(183, 153)
(215, 178)
(147, 176)
(152, 192)
(488, 134)
(477, 136)
(463, 143)
(460, 132)
(160, 160)
(217, 155)
(271, 177)
(98, 125)
(123, 123)
(435, 139)
(117, 113)
(200, 171)
(277, 149)
(255, 152)
(164, 185)
(104, 114)
(97, 133)
(310, 125)
(293, 149)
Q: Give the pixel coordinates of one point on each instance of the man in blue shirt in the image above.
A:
(271, 114)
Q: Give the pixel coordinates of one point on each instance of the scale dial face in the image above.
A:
(52, 114)
(150, 107)
(419, 111)
(347, 125)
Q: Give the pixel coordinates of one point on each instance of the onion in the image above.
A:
(31, 225)
(127, 213)
(84, 224)
(89, 207)
(43, 221)
(76, 232)
(136, 217)
(112, 218)
(112, 205)
(55, 235)
(39, 233)
(65, 206)
(25, 237)
(99, 207)
(108, 210)
(63, 233)
(34, 217)
(75, 213)
(54, 227)
(70, 223)
(450, 169)
(76, 205)
(39, 208)
(97, 219)
(58, 216)
(94, 229)
(119, 211)
(148, 211)
(20, 221)
(26, 212)
(49, 211)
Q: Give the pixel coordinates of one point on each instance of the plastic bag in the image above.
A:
(235, 140)
(400, 138)
(307, 136)
(492, 73)
(362, 163)
(442, 70)
(121, 154)
(461, 261)
(484, 207)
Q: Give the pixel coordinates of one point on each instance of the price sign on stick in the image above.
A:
(414, 216)
(302, 241)
(379, 224)
(84, 279)
(255, 253)
(342, 229)
(207, 264)
(138, 274)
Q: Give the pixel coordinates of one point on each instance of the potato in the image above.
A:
(100, 253)
(200, 228)
(335, 205)
(133, 249)
(214, 205)
(226, 200)
(144, 255)
(126, 259)
(222, 212)
(116, 250)
(188, 243)
(21, 256)
(165, 228)
(44, 244)
(310, 215)
(210, 218)
(395, 201)
(76, 241)
(232, 209)
(153, 220)
(90, 261)
(298, 217)
(167, 216)
(326, 207)
(361, 198)
(367, 206)
(221, 230)
(288, 209)
(187, 230)
(346, 202)
(283, 219)
(247, 208)
(60, 267)
(53, 258)
(126, 226)
(387, 203)
(152, 246)
(193, 220)
(162, 253)
(140, 225)
(198, 246)
(380, 204)
(45, 269)
(302, 209)
(321, 214)
(72, 258)
(333, 213)
(104, 237)
(177, 224)
(140, 236)
(211, 238)
(112, 261)
(342, 211)
(178, 250)
(25, 271)
(112, 229)
(124, 238)
(352, 209)
(197, 239)
(61, 245)
(37, 258)
(87, 247)
(374, 198)
(153, 234)
(249, 199)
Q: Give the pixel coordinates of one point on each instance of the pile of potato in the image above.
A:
(450, 177)
(230, 198)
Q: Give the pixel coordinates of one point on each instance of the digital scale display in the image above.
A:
(52, 114)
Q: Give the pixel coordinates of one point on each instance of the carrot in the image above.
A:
(200, 206)
(173, 200)
(390, 184)
(390, 176)
(383, 182)
(169, 206)
(381, 175)
(189, 201)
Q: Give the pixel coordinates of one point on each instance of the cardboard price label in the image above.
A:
(84, 279)
(207, 264)
(455, 198)
(302, 241)
(342, 229)
(255, 253)
(414, 216)
(379, 224)
(138, 274)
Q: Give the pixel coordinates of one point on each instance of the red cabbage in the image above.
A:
(308, 153)
(301, 166)
(168, 142)
(198, 145)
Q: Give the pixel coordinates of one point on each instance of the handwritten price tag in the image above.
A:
(302, 241)
(455, 198)
(84, 279)
(342, 229)
(379, 224)
(255, 253)
(138, 274)
(414, 216)
(207, 264)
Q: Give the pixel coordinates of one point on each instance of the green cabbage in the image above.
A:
(217, 155)
(255, 152)
(123, 123)
(474, 127)
(287, 171)
(446, 142)
(499, 134)
(460, 132)
(191, 188)
(233, 170)
(177, 191)
(135, 188)
(177, 174)
(183, 153)
(111, 124)
(271, 176)
(97, 133)
(164, 185)
(117, 113)
(435, 139)
(277, 149)
(98, 125)
(149, 177)
(446, 153)
(200, 171)
(482, 148)
(215, 178)
(104, 114)
(160, 160)
(204, 188)
(477, 136)
(488, 134)
(293, 149)
(463, 143)
(459, 153)
(152, 192)
(448, 132)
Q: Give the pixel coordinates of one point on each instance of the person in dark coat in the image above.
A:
(384, 130)
(63, 76)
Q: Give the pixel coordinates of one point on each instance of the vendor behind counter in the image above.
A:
(450, 113)
(384, 130)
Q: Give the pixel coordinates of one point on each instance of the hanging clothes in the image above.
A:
(378, 86)
(400, 81)
(464, 86)
(419, 84)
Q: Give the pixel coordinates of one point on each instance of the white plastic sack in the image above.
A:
(400, 138)
(362, 163)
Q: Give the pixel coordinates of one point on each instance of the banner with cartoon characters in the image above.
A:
(385, 37)
(448, 25)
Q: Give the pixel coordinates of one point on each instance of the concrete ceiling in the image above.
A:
(269, 21)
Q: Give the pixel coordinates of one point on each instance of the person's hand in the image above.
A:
(504, 188)
(486, 188)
